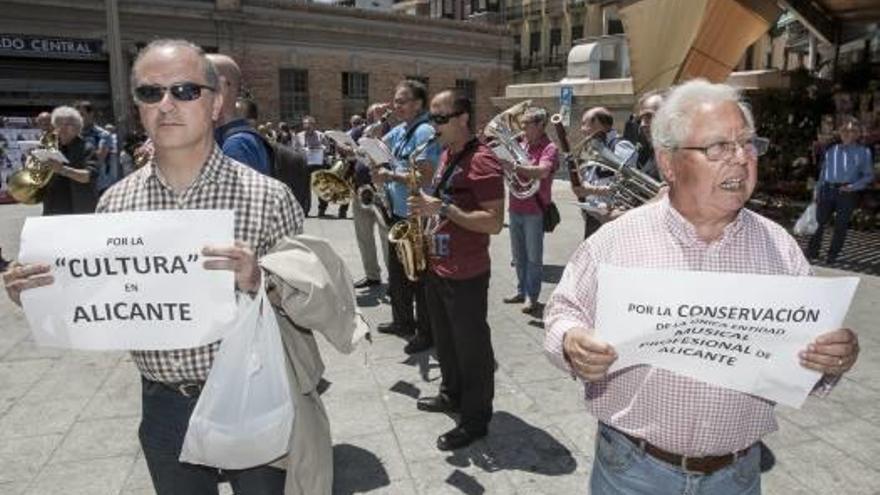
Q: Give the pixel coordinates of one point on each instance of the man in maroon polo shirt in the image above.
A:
(469, 203)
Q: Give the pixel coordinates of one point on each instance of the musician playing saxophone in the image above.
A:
(527, 214)
(468, 197)
(411, 110)
(70, 189)
(599, 123)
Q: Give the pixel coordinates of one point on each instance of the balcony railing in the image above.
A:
(535, 61)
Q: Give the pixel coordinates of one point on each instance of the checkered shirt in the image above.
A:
(265, 211)
(673, 412)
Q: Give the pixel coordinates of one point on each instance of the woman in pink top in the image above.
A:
(527, 215)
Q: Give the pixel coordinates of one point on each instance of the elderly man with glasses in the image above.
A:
(661, 432)
(70, 189)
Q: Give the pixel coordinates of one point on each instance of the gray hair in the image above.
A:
(672, 122)
(66, 113)
(212, 78)
(535, 114)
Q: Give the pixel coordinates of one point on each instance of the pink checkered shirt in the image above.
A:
(673, 412)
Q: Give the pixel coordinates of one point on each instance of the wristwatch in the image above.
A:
(444, 208)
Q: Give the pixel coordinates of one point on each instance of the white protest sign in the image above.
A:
(738, 331)
(131, 280)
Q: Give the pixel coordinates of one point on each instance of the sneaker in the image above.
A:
(514, 299)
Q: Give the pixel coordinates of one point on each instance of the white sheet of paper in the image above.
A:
(315, 156)
(673, 320)
(44, 154)
(376, 150)
(341, 139)
(130, 280)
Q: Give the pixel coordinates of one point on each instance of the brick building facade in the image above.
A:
(296, 57)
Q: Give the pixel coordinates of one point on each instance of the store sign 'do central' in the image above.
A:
(44, 47)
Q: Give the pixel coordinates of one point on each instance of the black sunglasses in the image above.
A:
(440, 119)
(185, 91)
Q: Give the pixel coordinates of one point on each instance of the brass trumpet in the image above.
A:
(630, 187)
(28, 185)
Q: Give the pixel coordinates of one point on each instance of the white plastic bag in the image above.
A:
(244, 415)
(807, 223)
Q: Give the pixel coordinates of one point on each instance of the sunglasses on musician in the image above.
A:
(185, 91)
(440, 119)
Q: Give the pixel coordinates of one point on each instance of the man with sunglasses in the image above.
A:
(410, 109)
(661, 432)
(847, 168)
(468, 201)
(235, 136)
(175, 89)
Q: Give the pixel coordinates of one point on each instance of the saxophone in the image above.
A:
(408, 236)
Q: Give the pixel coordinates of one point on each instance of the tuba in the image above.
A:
(408, 236)
(28, 185)
(630, 187)
(504, 129)
(335, 184)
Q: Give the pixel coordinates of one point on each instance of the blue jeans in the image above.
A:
(622, 468)
(527, 244)
(164, 421)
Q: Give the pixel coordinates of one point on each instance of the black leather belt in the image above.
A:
(835, 185)
(703, 465)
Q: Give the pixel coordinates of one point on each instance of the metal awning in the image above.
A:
(675, 40)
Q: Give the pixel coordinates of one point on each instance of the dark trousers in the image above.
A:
(591, 225)
(164, 422)
(322, 205)
(464, 345)
(403, 293)
(831, 200)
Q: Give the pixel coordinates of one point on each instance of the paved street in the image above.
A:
(68, 420)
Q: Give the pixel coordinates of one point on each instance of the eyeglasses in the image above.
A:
(440, 119)
(725, 150)
(185, 91)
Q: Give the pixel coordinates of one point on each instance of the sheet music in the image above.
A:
(376, 150)
(44, 155)
(341, 138)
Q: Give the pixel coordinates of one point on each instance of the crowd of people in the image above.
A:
(444, 176)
